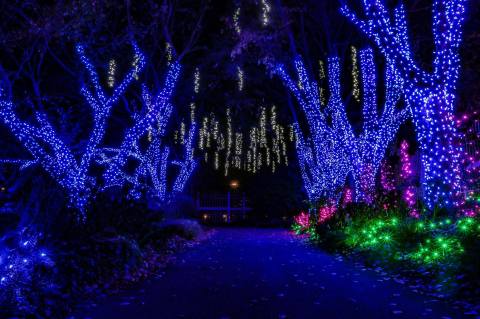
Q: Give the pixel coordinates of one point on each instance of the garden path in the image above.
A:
(266, 273)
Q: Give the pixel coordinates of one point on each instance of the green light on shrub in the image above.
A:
(442, 244)
(468, 224)
(297, 228)
(440, 249)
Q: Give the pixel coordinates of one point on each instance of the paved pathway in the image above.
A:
(264, 273)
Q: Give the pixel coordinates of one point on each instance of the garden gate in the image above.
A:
(221, 207)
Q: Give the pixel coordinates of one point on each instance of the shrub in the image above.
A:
(442, 247)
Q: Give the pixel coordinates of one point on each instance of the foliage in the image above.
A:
(305, 224)
(438, 245)
(124, 244)
(26, 267)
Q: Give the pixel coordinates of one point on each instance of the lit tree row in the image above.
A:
(431, 94)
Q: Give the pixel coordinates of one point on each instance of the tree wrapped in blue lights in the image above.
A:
(150, 175)
(367, 151)
(70, 170)
(323, 163)
(431, 94)
(335, 150)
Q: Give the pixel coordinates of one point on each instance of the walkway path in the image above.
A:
(259, 273)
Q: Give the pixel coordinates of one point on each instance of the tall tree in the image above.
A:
(45, 144)
(431, 93)
(323, 163)
(72, 169)
(335, 149)
(150, 174)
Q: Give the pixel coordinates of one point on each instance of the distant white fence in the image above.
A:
(221, 207)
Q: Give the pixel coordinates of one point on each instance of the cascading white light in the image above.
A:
(266, 8)
(112, 68)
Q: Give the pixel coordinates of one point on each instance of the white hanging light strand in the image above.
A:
(196, 81)
(236, 21)
(266, 8)
(112, 68)
(240, 78)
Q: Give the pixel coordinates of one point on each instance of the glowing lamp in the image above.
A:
(234, 184)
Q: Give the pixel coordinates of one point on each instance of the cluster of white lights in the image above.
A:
(169, 52)
(229, 142)
(355, 75)
(321, 90)
(264, 146)
(291, 133)
(240, 78)
(136, 66)
(112, 67)
(238, 150)
(266, 8)
(182, 133)
(196, 81)
(236, 21)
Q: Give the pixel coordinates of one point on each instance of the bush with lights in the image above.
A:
(25, 266)
(438, 247)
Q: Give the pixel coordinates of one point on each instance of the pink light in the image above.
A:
(326, 212)
(471, 212)
(409, 196)
(406, 171)
(347, 196)
(414, 213)
(385, 178)
(302, 219)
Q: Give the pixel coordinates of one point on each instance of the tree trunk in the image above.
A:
(440, 148)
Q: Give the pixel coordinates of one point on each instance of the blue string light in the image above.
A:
(48, 149)
(18, 261)
(323, 162)
(334, 151)
(431, 95)
(73, 174)
(161, 109)
(151, 172)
